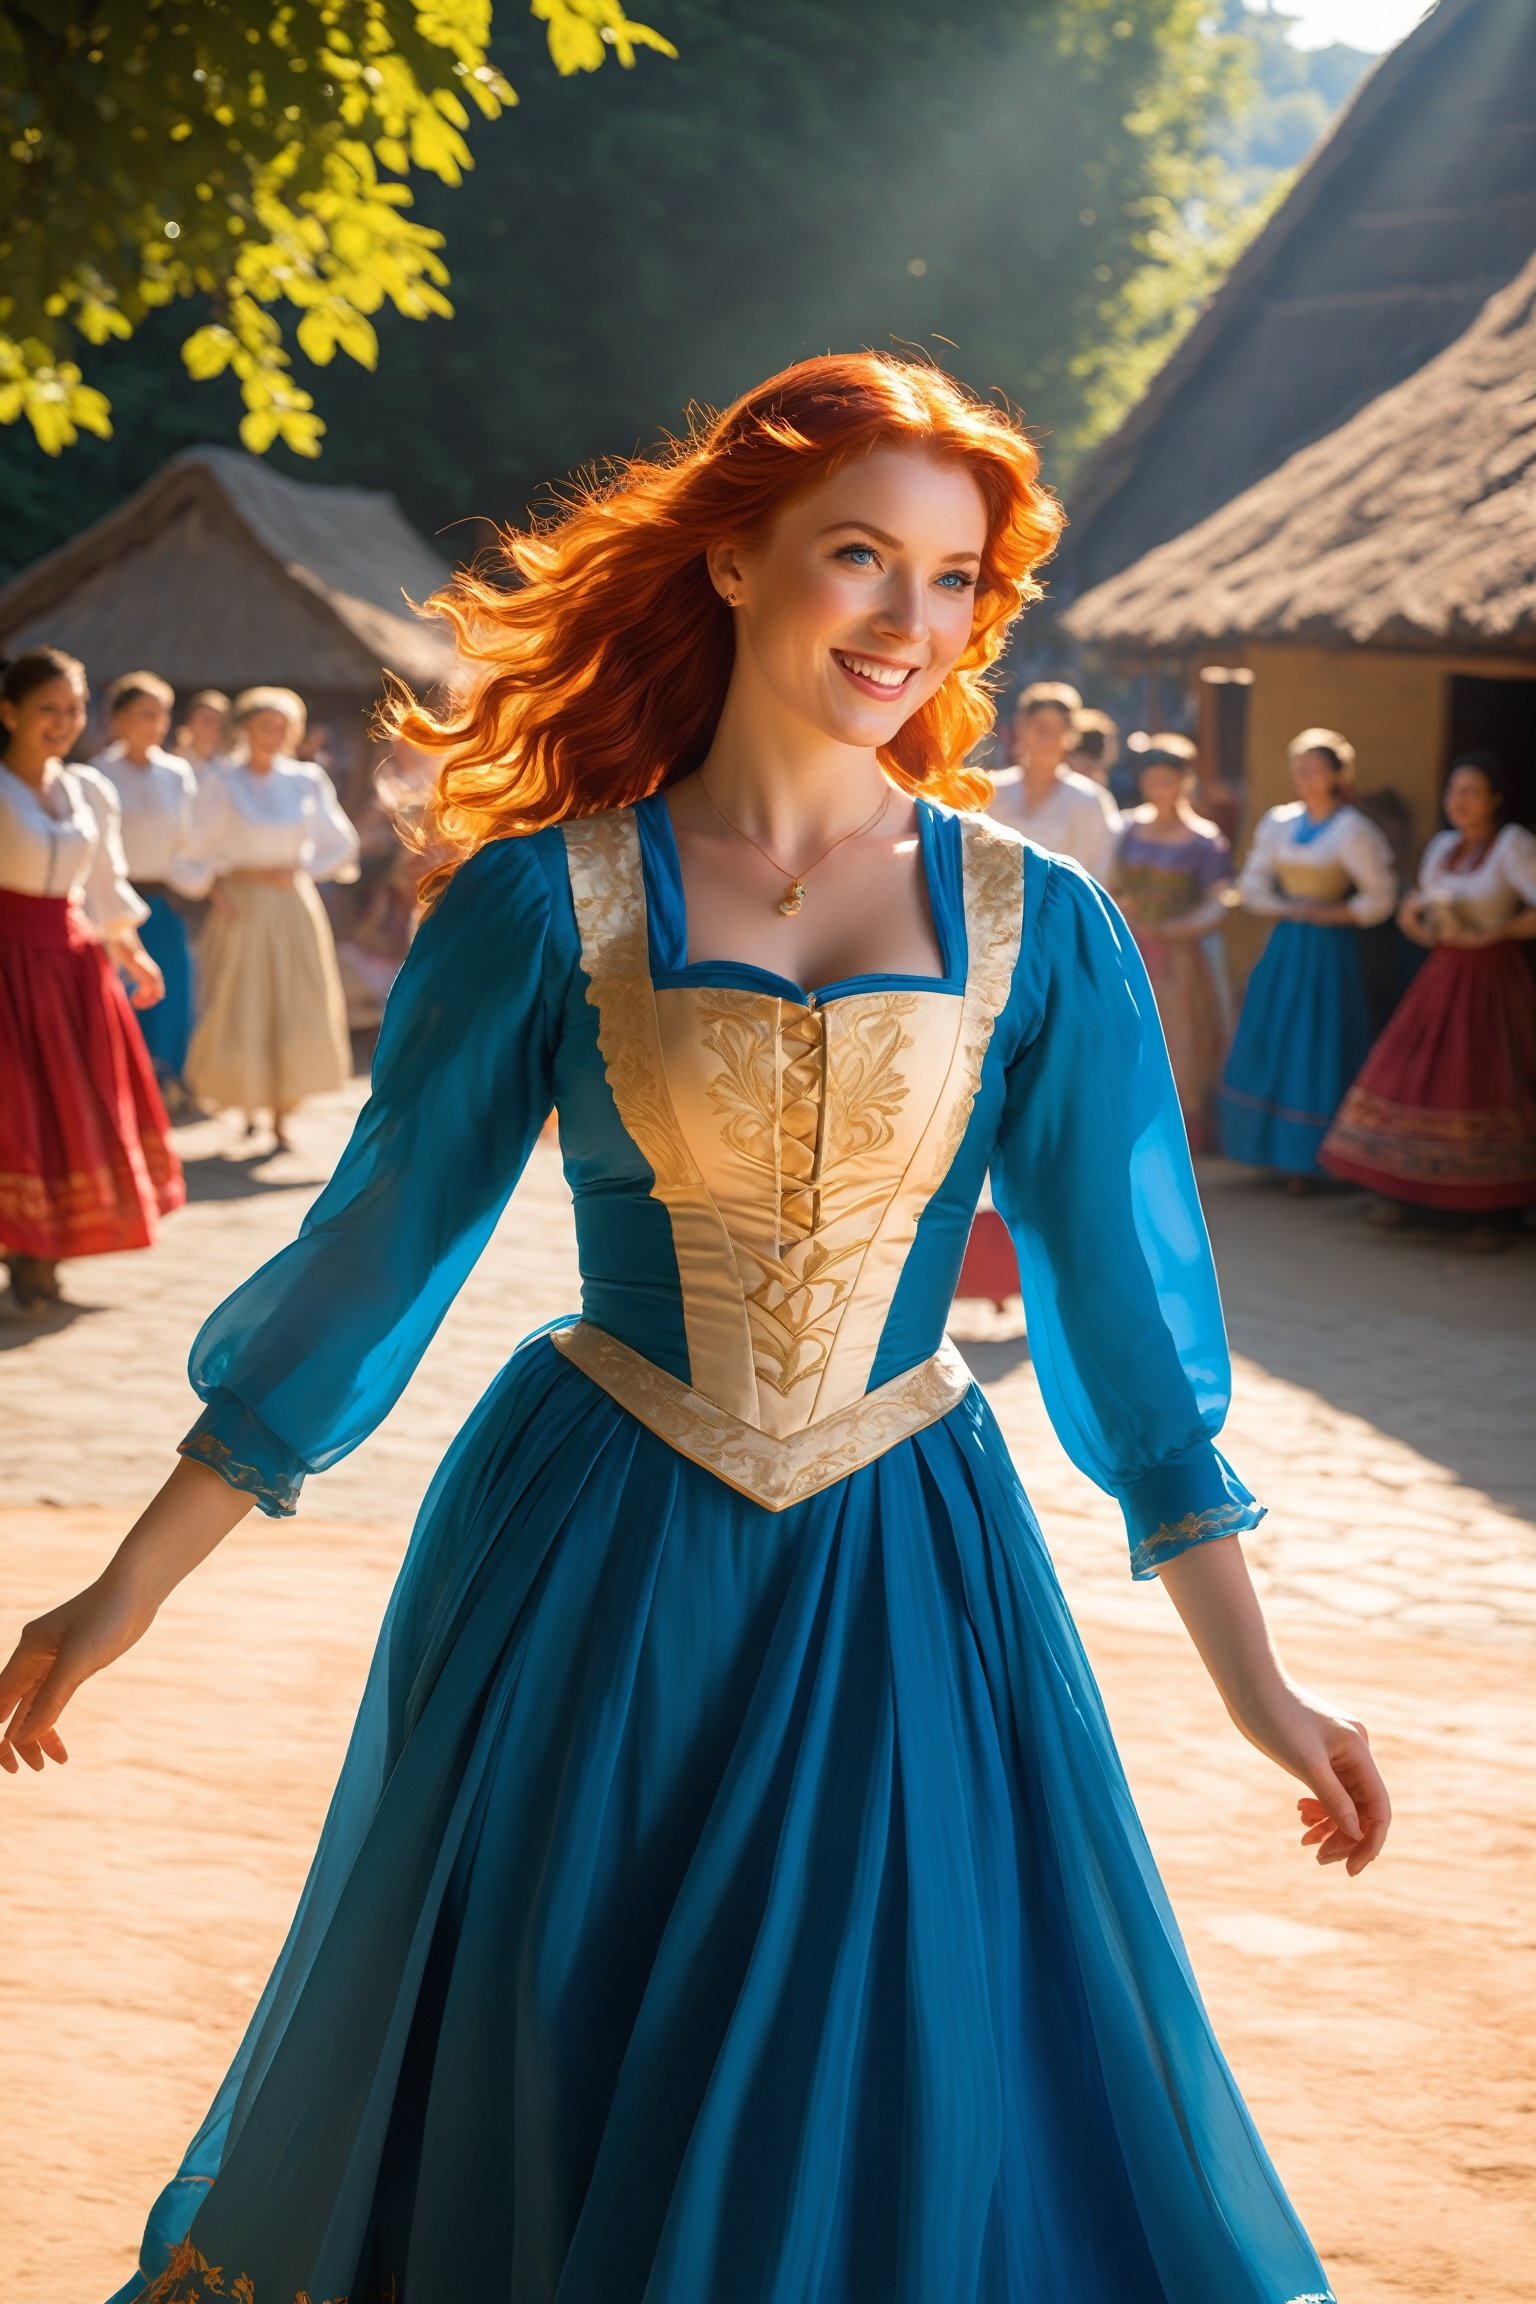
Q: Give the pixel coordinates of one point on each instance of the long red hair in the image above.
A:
(600, 671)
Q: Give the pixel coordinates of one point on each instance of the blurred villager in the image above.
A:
(157, 793)
(273, 1022)
(1040, 796)
(1321, 871)
(378, 919)
(86, 1166)
(1171, 874)
(1096, 752)
(203, 738)
(1443, 1116)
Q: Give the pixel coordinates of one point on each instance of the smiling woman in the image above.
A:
(603, 671)
(732, 1889)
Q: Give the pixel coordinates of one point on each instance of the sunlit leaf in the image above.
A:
(208, 352)
(264, 192)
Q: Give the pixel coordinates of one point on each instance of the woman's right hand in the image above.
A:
(1415, 922)
(193, 1512)
(54, 1655)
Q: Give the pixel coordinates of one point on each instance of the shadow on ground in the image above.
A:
(227, 1176)
(991, 1358)
(1409, 1330)
(17, 1327)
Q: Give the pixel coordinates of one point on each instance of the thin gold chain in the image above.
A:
(795, 893)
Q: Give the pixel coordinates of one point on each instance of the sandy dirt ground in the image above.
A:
(1380, 2028)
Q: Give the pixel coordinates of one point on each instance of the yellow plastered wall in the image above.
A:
(1393, 708)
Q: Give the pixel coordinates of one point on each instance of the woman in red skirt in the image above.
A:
(1444, 1113)
(85, 1161)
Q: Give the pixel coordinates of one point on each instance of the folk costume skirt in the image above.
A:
(86, 1165)
(273, 1023)
(722, 1906)
(1444, 1113)
(167, 1027)
(1304, 1032)
(1189, 1003)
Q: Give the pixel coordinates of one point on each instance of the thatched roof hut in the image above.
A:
(1417, 208)
(1413, 526)
(221, 572)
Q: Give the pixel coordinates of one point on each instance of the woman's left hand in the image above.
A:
(1347, 1815)
(146, 984)
(1346, 1818)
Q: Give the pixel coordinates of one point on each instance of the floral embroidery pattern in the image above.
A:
(770, 1471)
(802, 1090)
(864, 1089)
(1172, 1537)
(205, 1448)
(608, 888)
(796, 1307)
(994, 927)
(189, 2278)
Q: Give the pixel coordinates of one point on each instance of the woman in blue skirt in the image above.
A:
(158, 792)
(1321, 871)
(732, 1892)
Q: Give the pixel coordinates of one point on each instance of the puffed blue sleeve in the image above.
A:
(301, 1363)
(1092, 1175)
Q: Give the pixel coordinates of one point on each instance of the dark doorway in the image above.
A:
(1498, 716)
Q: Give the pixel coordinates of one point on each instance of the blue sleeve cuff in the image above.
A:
(1191, 1499)
(247, 1454)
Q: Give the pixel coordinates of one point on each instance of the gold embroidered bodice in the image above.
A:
(793, 1142)
(1325, 883)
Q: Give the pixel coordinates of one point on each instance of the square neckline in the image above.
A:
(667, 925)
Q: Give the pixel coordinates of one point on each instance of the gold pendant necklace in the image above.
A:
(794, 895)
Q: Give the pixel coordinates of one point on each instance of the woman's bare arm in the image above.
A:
(1347, 1816)
(193, 1512)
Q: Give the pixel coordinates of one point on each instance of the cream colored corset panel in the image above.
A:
(805, 1127)
(794, 1144)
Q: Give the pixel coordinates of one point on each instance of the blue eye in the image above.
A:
(861, 554)
(957, 581)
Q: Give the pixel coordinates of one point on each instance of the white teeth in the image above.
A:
(883, 675)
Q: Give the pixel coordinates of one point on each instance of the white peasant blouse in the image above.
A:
(67, 841)
(1345, 860)
(1501, 883)
(286, 819)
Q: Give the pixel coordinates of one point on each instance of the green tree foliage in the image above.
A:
(1018, 186)
(253, 157)
(1025, 188)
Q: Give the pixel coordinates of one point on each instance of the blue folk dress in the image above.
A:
(732, 1894)
(1305, 1028)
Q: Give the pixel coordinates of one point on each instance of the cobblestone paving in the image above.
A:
(1383, 1402)
(1382, 1408)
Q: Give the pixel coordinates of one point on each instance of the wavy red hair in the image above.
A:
(599, 672)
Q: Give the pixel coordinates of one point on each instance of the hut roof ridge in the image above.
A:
(1414, 207)
(1411, 526)
(349, 550)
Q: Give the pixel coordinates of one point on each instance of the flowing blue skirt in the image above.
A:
(167, 1027)
(1304, 1033)
(722, 1907)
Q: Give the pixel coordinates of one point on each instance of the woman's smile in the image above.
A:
(874, 674)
